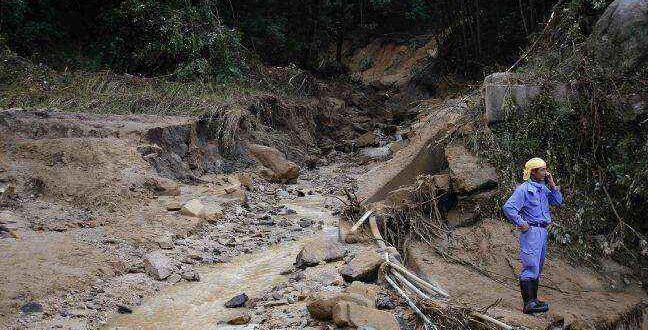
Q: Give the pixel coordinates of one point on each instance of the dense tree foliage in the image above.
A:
(200, 38)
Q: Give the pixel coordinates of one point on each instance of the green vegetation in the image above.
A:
(595, 139)
(210, 39)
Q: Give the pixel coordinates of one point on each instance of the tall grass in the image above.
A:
(25, 85)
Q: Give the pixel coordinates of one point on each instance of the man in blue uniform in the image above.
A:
(528, 209)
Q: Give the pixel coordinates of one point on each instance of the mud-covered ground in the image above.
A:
(94, 236)
(82, 273)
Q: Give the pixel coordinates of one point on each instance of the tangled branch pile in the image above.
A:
(412, 212)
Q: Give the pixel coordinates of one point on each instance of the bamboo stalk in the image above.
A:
(361, 221)
(410, 303)
(409, 284)
(421, 282)
(376, 233)
(498, 323)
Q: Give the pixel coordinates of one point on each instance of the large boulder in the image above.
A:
(503, 100)
(621, 34)
(467, 173)
(319, 250)
(158, 265)
(346, 313)
(280, 169)
(364, 267)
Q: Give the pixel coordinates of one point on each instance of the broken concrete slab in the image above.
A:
(423, 154)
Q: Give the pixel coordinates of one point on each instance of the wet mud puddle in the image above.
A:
(200, 305)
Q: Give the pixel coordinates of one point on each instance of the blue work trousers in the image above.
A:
(533, 247)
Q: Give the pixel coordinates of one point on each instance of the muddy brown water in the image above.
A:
(200, 305)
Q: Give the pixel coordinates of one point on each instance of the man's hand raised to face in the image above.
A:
(550, 181)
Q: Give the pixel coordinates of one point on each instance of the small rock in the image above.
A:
(382, 153)
(282, 193)
(364, 267)
(281, 170)
(366, 140)
(384, 301)
(240, 319)
(174, 278)
(196, 208)
(173, 204)
(31, 307)
(366, 327)
(162, 186)
(318, 250)
(283, 210)
(321, 307)
(350, 314)
(158, 265)
(165, 243)
(191, 276)
(237, 301)
(305, 223)
(123, 309)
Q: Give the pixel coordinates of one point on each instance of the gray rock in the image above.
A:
(165, 243)
(174, 278)
(501, 78)
(503, 100)
(468, 173)
(191, 276)
(305, 223)
(318, 250)
(282, 193)
(158, 265)
(384, 301)
(237, 301)
(621, 34)
(381, 153)
(364, 267)
(123, 309)
(31, 307)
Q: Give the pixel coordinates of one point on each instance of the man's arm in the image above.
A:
(554, 196)
(513, 206)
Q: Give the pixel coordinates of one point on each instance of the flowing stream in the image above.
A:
(200, 305)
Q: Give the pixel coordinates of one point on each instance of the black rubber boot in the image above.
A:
(542, 304)
(530, 304)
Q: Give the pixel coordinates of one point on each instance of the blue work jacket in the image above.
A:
(530, 203)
